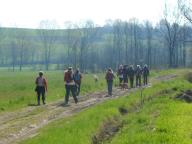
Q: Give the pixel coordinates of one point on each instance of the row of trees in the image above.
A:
(91, 47)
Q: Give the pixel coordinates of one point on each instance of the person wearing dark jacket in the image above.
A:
(41, 87)
(77, 78)
(120, 75)
(69, 85)
(145, 74)
(109, 78)
(138, 74)
(131, 74)
(125, 76)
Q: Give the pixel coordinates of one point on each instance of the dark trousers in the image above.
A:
(40, 91)
(77, 88)
(120, 81)
(110, 86)
(145, 80)
(138, 80)
(131, 81)
(70, 88)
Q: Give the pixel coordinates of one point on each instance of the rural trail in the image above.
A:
(19, 125)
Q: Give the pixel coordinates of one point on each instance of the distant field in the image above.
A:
(17, 88)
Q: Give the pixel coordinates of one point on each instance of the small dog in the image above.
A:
(125, 85)
(96, 78)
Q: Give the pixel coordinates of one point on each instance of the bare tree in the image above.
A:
(118, 41)
(88, 33)
(185, 7)
(0, 44)
(171, 20)
(73, 38)
(135, 45)
(47, 32)
(13, 47)
(69, 38)
(149, 30)
(126, 31)
(21, 45)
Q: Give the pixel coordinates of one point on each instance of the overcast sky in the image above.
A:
(28, 13)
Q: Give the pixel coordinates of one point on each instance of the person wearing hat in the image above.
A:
(109, 78)
(69, 85)
(41, 87)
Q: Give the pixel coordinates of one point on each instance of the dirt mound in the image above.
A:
(107, 130)
(186, 96)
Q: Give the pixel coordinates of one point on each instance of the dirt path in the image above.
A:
(19, 125)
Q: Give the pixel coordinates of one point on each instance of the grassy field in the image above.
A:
(17, 88)
(161, 119)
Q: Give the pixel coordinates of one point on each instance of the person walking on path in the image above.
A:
(125, 77)
(120, 75)
(109, 78)
(145, 74)
(131, 74)
(69, 85)
(77, 78)
(41, 87)
(138, 74)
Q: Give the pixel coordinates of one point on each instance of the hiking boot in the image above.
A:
(44, 103)
(65, 104)
(38, 103)
(107, 95)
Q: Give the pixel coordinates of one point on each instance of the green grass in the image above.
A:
(163, 120)
(140, 125)
(17, 88)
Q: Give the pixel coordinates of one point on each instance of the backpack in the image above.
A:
(109, 76)
(138, 72)
(77, 77)
(145, 71)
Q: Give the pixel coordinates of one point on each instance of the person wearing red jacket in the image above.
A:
(41, 87)
(69, 85)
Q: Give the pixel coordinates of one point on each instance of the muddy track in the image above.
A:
(19, 125)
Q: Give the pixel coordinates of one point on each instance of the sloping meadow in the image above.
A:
(153, 117)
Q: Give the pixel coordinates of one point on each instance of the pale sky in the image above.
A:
(28, 13)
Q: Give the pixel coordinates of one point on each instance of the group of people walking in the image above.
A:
(72, 85)
(127, 73)
(73, 80)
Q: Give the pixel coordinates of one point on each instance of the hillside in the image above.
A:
(124, 118)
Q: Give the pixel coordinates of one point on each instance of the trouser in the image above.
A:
(125, 82)
(131, 81)
(120, 81)
(77, 88)
(145, 81)
(70, 88)
(110, 86)
(40, 91)
(138, 80)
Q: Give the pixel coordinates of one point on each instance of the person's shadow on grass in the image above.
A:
(32, 104)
